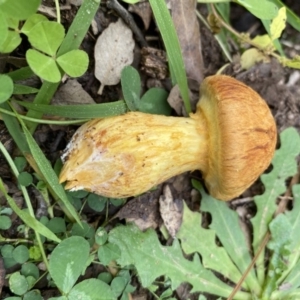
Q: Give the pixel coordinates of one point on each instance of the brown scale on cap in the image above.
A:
(231, 138)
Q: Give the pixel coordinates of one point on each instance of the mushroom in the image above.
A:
(231, 138)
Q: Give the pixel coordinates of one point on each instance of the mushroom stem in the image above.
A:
(135, 150)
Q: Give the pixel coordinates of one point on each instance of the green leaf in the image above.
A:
(131, 87)
(280, 229)
(20, 9)
(20, 74)
(27, 218)
(101, 236)
(265, 10)
(169, 35)
(32, 21)
(46, 36)
(42, 65)
(33, 295)
(152, 260)
(18, 283)
(48, 173)
(74, 63)
(225, 222)
(57, 225)
(195, 238)
(21, 254)
(12, 41)
(96, 202)
(284, 166)
(292, 18)
(80, 111)
(3, 29)
(5, 222)
(79, 27)
(83, 230)
(67, 262)
(108, 253)
(292, 63)
(93, 289)
(278, 24)
(30, 269)
(154, 101)
(6, 87)
(25, 179)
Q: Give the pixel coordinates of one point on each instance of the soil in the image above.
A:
(279, 86)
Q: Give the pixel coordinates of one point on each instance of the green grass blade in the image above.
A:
(79, 111)
(48, 173)
(27, 218)
(169, 36)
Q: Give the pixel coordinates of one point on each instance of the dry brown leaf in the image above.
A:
(188, 31)
(171, 211)
(113, 51)
(142, 9)
(72, 93)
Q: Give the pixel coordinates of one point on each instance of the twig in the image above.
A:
(128, 19)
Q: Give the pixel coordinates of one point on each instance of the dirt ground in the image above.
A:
(279, 86)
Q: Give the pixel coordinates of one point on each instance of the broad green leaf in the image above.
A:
(74, 63)
(48, 173)
(21, 254)
(91, 289)
(12, 41)
(108, 253)
(195, 238)
(154, 101)
(171, 42)
(294, 218)
(284, 166)
(280, 229)
(3, 29)
(28, 219)
(80, 111)
(12, 23)
(131, 87)
(68, 261)
(46, 36)
(265, 10)
(225, 222)
(6, 87)
(20, 9)
(152, 260)
(30, 269)
(278, 24)
(42, 65)
(18, 283)
(5, 222)
(32, 21)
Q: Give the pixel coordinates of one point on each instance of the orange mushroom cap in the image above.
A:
(242, 135)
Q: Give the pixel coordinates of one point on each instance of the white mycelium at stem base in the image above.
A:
(231, 138)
